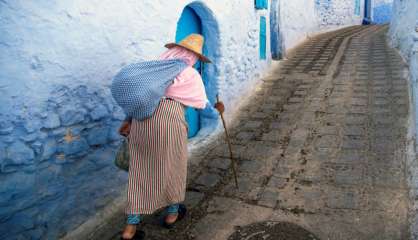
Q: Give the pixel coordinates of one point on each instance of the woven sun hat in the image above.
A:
(194, 43)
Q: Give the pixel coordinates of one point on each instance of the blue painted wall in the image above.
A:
(56, 158)
(382, 13)
(57, 120)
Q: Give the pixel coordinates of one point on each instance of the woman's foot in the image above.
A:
(129, 231)
(171, 218)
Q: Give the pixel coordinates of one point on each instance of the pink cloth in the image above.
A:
(187, 87)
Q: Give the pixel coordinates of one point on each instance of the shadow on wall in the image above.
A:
(56, 165)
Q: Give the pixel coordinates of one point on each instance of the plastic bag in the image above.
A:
(123, 157)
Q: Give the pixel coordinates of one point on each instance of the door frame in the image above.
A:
(188, 23)
(210, 71)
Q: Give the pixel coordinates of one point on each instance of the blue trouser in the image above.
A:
(136, 218)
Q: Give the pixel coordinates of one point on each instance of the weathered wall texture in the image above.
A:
(57, 119)
(381, 11)
(339, 13)
(403, 35)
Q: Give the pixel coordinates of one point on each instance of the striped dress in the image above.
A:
(158, 167)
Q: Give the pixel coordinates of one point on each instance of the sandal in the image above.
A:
(139, 235)
(181, 214)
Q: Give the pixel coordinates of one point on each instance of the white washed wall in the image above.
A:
(338, 13)
(302, 18)
(403, 34)
(298, 19)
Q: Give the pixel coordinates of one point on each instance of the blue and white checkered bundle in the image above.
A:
(138, 87)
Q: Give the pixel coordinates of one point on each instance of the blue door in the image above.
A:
(262, 37)
(188, 23)
(275, 31)
(367, 12)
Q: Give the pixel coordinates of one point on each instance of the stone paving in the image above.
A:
(321, 145)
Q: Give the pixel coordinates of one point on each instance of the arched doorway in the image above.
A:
(197, 18)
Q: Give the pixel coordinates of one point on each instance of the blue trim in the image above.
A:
(357, 7)
(133, 219)
(261, 4)
(275, 41)
(262, 37)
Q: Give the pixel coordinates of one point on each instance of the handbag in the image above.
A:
(123, 157)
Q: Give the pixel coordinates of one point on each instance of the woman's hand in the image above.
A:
(220, 107)
(125, 128)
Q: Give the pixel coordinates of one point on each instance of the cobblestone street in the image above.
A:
(321, 145)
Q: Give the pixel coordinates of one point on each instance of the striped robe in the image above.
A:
(158, 167)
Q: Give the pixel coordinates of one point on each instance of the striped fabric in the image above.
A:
(158, 167)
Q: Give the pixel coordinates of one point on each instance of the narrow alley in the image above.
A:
(115, 116)
(321, 145)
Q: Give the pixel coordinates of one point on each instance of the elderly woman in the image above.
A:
(158, 145)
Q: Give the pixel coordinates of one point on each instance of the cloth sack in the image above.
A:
(137, 88)
(123, 157)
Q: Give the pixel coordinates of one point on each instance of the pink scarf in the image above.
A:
(187, 87)
(180, 53)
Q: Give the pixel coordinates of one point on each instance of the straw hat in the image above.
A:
(194, 43)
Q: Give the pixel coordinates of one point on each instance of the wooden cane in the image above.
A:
(229, 146)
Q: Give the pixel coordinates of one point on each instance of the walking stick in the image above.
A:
(230, 148)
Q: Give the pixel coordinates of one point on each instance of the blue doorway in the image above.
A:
(188, 23)
(367, 12)
(276, 51)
